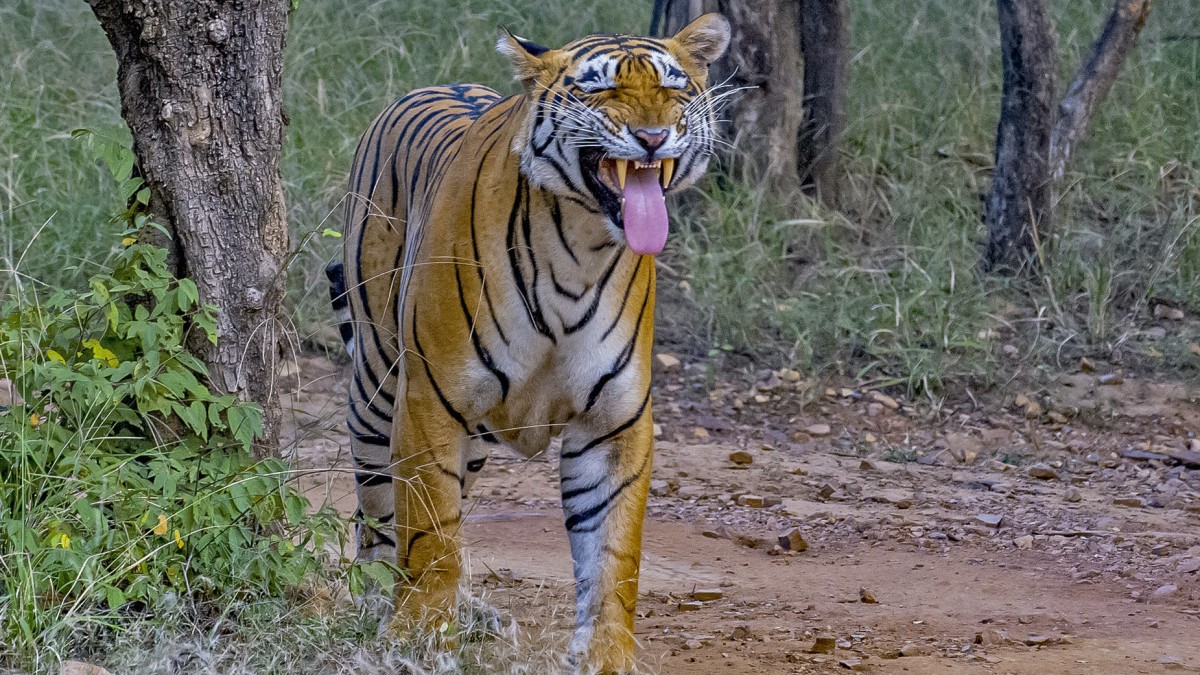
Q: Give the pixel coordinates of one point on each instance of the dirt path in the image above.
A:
(999, 539)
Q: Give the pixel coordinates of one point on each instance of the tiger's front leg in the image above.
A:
(605, 475)
(428, 455)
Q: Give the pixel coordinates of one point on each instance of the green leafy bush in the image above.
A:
(123, 478)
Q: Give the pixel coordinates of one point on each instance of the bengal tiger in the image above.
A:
(499, 273)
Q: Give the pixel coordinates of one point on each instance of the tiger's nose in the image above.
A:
(651, 139)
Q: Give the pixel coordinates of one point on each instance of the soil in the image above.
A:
(1056, 531)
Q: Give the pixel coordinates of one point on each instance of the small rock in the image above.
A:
(667, 363)
(1166, 590)
(853, 663)
(916, 649)
(989, 519)
(1042, 471)
(823, 644)
(1073, 495)
(660, 488)
(793, 541)
(818, 430)
(1135, 502)
(690, 605)
(867, 596)
(1010, 350)
(1189, 566)
(992, 637)
(701, 433)
(707, 594)
(1037, 640)
(658, 431)
(1024, 542)
(1170, 662)
(1110, 379)
(741, 457)
(81, 668)
(692, 644)
(753, 501)
(741, 633)
(885, 400)
(1168, 313)
(1086, 365)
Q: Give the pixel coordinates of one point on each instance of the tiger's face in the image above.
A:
(617, 122)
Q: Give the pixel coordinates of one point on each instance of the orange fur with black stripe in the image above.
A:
(500, 279)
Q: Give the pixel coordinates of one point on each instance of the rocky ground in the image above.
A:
(796, 527)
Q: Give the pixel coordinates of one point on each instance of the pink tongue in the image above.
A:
(645, 213)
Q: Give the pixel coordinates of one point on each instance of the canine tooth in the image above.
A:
(622, 169)
(668, 170)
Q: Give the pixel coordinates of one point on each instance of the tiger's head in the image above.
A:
(616, 121)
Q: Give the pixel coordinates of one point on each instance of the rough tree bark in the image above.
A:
(786, 132)
(1034, 141)
(200, 87)
(824, 41)
(1094, 79)
(1019, 203)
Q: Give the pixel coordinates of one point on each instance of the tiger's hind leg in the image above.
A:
(372, 397)
(605, 475)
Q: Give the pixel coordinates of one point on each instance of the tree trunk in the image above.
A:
(763, 122)
(824, 39)
(1019, 203)
(1094, 79)
(200, 86)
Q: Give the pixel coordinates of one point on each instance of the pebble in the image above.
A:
(989, 519)
(818, 430)
(867, 596)
(992, 637)
(660, 488)
(81, 668)
(667, 363)
(741, 457)
(1072, 495)
(853, 663)
(693, 644)
(793, 541)
(1165, 590)
(823, 644)
(690, 605)
(1042, 471)
(707, 594)
(885, 400)
(916, 649)
(753, 501)
(1135, 502)
(1110, 379)
(1024, 542)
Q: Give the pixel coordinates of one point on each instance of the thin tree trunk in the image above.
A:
(824, 38)
(200, 84)
(1019, 203)
(1094, 79)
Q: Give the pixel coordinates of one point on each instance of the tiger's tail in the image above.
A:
(336, 273)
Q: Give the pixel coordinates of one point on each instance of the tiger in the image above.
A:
(498, 274)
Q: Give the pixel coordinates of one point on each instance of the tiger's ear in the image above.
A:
(704, 39)
(526, 56)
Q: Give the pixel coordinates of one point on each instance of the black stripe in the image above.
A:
(623, 359)
(534, 314)
(486, 434)
(572, 454)
(578, 522)
(598, 289)
(624, 298)
(429, 373)
(480, 351)
(556, 216)
(476, 465)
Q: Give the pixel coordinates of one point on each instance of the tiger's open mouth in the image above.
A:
(631, 194)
